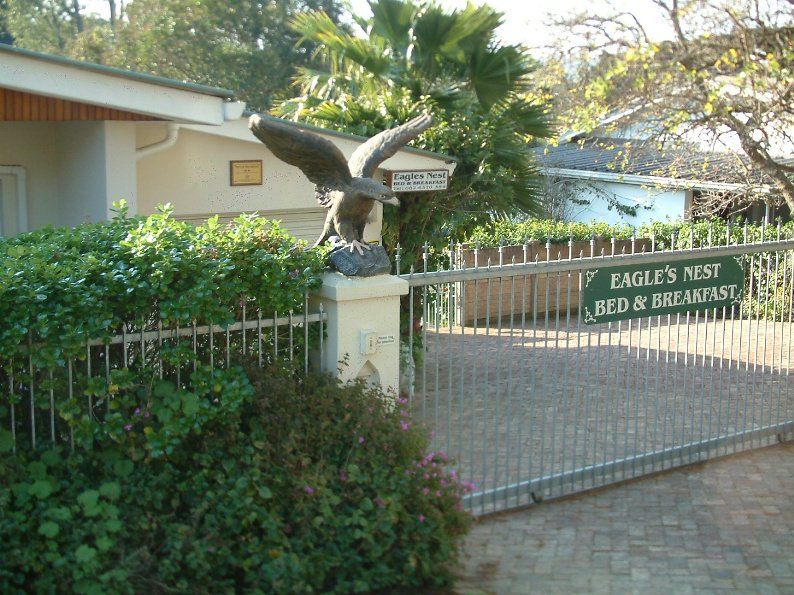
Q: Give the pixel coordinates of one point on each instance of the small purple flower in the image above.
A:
(438, 493)
(343, 476)
(361, 439)
(425, 491)
(404, 426)
(128, 427)
(308, 489)
(421, 518)
(137, 411)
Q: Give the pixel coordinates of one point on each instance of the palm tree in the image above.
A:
(411, 57)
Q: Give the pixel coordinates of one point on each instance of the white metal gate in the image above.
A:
(533, 404)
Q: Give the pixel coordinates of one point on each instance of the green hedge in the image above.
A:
(262, 485)
(67, 285)
(540, 230)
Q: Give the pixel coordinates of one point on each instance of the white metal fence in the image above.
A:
(533, 404)
(30, 405)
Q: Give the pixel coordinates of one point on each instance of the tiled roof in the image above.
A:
(645, 158)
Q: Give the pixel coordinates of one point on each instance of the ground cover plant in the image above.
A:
(252, 481)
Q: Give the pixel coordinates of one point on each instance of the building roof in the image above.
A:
(120, 72)
(635, 158)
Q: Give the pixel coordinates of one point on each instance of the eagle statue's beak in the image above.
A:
(391, 201)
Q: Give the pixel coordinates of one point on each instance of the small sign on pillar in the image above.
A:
(418, 180)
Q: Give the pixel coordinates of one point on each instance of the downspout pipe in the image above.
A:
(172, 134)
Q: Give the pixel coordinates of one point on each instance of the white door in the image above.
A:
(9, 205)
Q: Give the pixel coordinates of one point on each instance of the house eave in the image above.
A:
(64, 79)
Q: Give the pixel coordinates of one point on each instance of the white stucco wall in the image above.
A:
(31, 145)
(664, 204)
(76, 170)
(193, 175)
(120, 164)
(81, 172)
(96, 168)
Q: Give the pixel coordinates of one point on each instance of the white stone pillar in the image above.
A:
(363, 327)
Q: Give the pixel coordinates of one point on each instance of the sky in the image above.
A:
(525, 20)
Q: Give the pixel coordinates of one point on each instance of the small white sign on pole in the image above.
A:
(422, 180)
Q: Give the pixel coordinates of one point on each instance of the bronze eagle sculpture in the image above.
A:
(345, 188)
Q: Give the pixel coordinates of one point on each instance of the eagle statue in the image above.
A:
(345, 188)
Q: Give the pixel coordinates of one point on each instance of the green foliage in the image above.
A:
(506, 232)
(289, 486)
(5, 34)
(686, 234)
(61, 287)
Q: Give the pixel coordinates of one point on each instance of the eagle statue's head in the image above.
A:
(369, 188)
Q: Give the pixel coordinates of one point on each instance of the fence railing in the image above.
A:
(533, 403)
(31, 405)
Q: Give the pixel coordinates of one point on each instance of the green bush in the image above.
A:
(686, 233)
(271, 484)
(513, 233)
(64, 286)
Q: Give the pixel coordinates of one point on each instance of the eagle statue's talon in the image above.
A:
(355, 244)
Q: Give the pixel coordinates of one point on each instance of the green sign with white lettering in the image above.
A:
(635, 291)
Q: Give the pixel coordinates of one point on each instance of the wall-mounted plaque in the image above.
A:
(422, 180)
(245, 173)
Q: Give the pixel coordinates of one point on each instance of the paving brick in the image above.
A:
(647, 537)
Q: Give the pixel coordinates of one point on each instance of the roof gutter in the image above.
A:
(651, 180)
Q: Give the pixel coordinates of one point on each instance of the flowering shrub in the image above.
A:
(272, 484)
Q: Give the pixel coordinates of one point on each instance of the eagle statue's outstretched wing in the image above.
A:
(319, 159)
(366, 159)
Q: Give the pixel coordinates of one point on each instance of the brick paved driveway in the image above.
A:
(724, 525)
(515, 406)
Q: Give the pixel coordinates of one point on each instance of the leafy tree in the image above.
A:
(43, 25)
(242, 45)
(411, 57)
(5, 34)
(725, 73)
